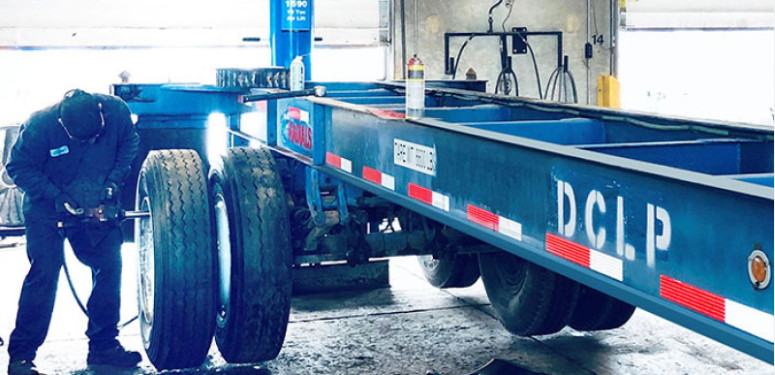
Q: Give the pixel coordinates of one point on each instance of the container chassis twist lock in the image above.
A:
(571, 215)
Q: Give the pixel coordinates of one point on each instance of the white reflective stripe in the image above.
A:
(606, 264)
(347, 165)
(388, 181)
(510, 228)
(440, 201)
(755, 322)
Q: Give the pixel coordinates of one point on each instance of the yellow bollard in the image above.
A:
(608, 92)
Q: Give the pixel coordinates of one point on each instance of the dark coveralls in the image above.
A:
(43, 168)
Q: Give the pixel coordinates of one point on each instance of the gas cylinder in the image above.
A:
(415, 88)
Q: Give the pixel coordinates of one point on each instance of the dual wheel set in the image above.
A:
(215, 259)
(529, 300)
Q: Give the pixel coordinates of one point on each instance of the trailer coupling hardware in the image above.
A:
(318, 91)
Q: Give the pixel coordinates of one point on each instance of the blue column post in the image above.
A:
(291, 29)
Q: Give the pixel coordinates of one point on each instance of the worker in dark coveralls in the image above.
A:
(70, 158)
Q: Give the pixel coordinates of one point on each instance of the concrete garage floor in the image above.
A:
(410, 328)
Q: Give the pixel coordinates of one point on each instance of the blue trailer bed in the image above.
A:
(672, 215)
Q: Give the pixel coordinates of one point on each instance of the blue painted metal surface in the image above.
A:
(291, 32)
(665, 197)
(764, 179)
(505, 156)
(179, 106)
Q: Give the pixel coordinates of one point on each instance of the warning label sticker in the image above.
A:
(415, 157)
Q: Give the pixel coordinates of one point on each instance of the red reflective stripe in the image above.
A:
(482, 217)
(372, 175)
(420, 193)
(334, 160)
(692, 297)
(566, 249)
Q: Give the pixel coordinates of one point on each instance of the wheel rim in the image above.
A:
(147, 271)
(224, 255)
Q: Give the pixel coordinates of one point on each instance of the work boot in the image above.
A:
(116, 356)
(24, 367)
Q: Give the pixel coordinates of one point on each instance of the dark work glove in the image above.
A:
(110, 192)
(65, 205)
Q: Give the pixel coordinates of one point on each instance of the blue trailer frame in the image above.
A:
(662, 213)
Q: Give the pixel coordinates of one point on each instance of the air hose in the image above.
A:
(78, 299)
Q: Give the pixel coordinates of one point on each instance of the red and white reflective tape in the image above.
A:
(595, 260)
(429, 196)
(379, 178)
(495, 222)
(748, 319)
(339, 162)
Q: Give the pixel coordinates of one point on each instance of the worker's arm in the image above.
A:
(25, 166)
(128, 145)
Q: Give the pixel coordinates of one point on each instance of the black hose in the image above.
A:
(460, 54)
(573, 87)
(80, 303)
(489, 14)
(72, 288)
(554, 85)
(516, 82)
(128, 322)
(549, 82)
(535, 67)
(504, 80)
(498, 82)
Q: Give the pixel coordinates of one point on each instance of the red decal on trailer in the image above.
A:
(386, 114)
(482, 217)
(333, 160)
(566, 249)
(687, 295)
(372, 175)
(300, 134)
(294, 113)
(420, 193)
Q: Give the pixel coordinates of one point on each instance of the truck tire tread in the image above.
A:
(264, 292)
(184, 299)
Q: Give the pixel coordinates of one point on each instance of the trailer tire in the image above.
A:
(255, 283)
(596, 311)
(528, 300)
(177, 269)
(461, 271)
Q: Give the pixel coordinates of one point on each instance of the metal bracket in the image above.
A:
(519, 42)
(334, 199)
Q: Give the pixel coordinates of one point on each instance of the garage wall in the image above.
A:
(121, 23)
(48, 47)
(570, 16)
